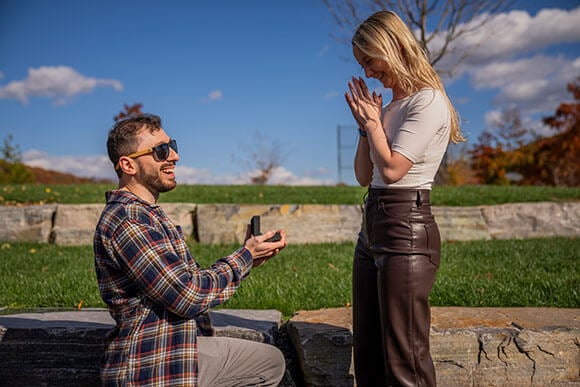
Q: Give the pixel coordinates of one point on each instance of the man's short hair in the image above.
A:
(121, 136)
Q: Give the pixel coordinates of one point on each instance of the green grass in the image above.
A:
(251, 194)
(533, 273)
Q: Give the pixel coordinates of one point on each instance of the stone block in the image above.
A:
(507, 346)
(227, 223)
(75, 224)
(314, 223)
(323, 342)
(27, 223)
(469, 346)
(461, 223)
(532, 220)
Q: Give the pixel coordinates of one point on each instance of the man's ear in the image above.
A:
(127, 165)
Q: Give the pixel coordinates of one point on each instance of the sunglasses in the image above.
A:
(160, 152)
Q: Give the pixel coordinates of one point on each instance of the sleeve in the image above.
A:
(160, 273)
(425, 117)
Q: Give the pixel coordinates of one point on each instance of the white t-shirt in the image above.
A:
(417, 127)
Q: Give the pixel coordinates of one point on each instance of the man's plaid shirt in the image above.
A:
(156, 292)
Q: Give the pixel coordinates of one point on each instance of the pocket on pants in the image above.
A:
(426, 240)
(433, 243)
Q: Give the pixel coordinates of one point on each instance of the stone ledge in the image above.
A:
(226, 223)
(470, 346)
(65, 348)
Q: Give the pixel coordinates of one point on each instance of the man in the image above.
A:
(157, 293)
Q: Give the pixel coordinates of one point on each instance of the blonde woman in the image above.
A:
(400, 148)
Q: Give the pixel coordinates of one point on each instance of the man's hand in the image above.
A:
(261, 250)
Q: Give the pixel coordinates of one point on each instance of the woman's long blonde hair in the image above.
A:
(384, 36)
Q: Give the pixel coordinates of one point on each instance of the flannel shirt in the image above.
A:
(156, 292)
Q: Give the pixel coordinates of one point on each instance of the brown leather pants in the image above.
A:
(395, 263)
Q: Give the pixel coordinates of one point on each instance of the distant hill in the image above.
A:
(44, 176)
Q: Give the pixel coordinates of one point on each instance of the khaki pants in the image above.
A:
(229, 362)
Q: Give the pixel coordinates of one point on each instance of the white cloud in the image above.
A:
(534, 126)
(536, 84)
(282, 176)
(99, 167)
(215, 95)
(508, 55)
(512, 35)
(190, 175)
(59, 83)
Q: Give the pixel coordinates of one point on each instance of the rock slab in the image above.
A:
(65, 348)
(469, 346)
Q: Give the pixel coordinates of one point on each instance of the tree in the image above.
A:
(436, 25)
(11, 168)
(9, 152)
(261, 158)
(450, 20)
(457, 170)
(555, 160)
(499, 149)
(134, 109)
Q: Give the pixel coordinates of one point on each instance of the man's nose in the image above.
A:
(173, 155)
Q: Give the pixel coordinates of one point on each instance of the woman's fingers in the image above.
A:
(360, 100)
(364, 89)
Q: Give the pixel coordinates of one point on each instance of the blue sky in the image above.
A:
(235, 78)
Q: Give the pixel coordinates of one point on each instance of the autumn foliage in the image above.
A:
(556, 159)
(552, 161)
(134, 109)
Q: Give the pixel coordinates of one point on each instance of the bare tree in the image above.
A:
(437, 24)
(510, 130)
(432, 21)
(261, 158)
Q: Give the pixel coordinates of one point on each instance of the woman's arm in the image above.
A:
(392, 166)
(366, 110)
(363, 166)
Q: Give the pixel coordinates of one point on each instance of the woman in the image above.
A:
(397, 254)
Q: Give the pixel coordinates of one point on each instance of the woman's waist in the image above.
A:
(395, 195)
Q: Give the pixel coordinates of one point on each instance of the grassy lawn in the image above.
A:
(250, 194)
(534, 273)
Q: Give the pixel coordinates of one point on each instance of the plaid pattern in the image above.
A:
(156, 292)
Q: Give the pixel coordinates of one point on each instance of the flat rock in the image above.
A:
(469, 346)
(60, 348)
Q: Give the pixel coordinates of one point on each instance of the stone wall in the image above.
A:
(469, 346)
(304, 223)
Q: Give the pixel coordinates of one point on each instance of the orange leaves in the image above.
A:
(553, 161)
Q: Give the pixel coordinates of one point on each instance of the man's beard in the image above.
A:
(155, 184)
